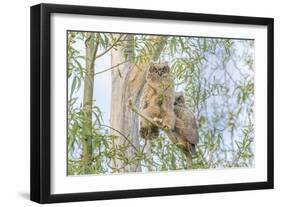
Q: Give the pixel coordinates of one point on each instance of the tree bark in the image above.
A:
(127, 84)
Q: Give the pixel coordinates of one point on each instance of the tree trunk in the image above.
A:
(127, 84)
(87, 148)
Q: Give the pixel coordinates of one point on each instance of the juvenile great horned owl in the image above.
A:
(157, 101)
(186, 130)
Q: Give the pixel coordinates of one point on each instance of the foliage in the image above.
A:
(217, 78)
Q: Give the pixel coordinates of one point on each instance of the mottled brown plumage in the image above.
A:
(186, 130)
(157, 101)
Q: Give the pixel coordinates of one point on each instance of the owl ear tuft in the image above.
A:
(179, 97)
(166, 67)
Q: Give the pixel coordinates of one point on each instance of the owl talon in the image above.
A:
(158, 121)
(167, 126)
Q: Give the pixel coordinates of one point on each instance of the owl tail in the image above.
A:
(191, 148)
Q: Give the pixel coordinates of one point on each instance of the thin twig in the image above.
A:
(140, 56)
(115, 66)
(107, 50)
(123, 135)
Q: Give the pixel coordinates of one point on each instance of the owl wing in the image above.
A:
(193, 136)
(186, 125)
(147, 96)
(144, 99)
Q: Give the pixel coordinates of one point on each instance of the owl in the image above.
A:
(186, 130)
(157, 100)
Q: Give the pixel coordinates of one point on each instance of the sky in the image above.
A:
(102, 83)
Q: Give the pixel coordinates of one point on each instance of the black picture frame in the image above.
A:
(41, 99)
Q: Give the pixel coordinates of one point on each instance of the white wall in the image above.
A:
(14, 104)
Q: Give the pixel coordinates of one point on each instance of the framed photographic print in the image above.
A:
(132, 103)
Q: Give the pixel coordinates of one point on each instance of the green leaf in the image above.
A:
(205, 45)
(73, 86)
